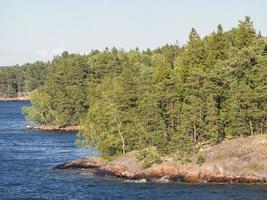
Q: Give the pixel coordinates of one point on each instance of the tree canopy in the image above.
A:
(170, 99)
(21, 80)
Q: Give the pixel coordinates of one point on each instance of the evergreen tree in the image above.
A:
(245, 33)
(169, 100)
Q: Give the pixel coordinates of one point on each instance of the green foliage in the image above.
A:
(41, 110)
(172, 98)
(200, 159)
(149, 156)
(63, 98)
(19, 81)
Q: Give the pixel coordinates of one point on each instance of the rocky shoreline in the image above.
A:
(54, 128)
(242, 160)
(15, 99)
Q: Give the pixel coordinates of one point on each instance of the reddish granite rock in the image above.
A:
(86, 163)
(242, 160)
(54, 128)
(166, 171)
(24, 98)
(125, 166)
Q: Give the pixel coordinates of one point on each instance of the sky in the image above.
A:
(32, 30)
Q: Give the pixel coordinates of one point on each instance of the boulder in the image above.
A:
(86, 163)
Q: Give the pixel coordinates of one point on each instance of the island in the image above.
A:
(196, 112)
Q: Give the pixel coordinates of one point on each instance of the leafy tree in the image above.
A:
(168, 100)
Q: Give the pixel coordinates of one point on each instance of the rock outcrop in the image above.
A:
(242, 160)
(126, 166)
(86, 163)
(24, 98)
(53, 128)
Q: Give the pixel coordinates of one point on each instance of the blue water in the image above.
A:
(27, 159)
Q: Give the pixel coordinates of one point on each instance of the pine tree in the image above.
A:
(245, 33)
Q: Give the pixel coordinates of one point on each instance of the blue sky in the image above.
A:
(33, 30)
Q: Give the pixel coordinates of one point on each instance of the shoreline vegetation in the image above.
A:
(173, 101)
(17, 82)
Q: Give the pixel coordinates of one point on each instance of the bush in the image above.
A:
(185, 159)
(200, 159)
(149, 156)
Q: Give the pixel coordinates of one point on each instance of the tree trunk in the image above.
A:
(118, 125)
(261, 129)
(194, 133)
(251, 127)
(172, 117)
(123, 143)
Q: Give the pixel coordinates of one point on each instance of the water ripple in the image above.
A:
(27, 159)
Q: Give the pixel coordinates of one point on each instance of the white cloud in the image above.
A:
(58, 51)
(43, 53)
(49, 53)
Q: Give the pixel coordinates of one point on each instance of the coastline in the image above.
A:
(232, 161)
(54, 128)
(14, 99)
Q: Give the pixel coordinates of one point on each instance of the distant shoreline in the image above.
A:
(14, 99)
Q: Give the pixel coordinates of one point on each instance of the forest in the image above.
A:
(173, 99)
(19, 81)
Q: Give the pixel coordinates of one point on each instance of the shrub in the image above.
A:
(149, 156)
(200, 159)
